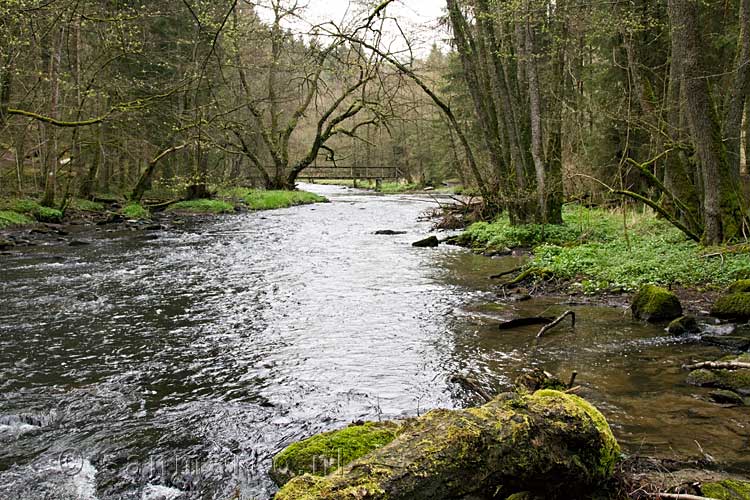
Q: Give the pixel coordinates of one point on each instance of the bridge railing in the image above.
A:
(351, 172)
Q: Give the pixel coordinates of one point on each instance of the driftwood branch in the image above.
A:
(719, 365)
(556, 322)
(472, 385)
(506, 273)
(678, 496)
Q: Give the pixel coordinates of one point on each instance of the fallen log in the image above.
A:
(506, 273)
(718, 365)
(550, 444)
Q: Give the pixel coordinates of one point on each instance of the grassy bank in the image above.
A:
(257, 199)
(598, 250)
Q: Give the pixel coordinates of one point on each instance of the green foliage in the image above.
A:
(398, 187)
(135, 211)
(267, 200)
(9, 218)
(595, 253)
(203, 207)
(24, 206)
(46, 214)
(86, 205)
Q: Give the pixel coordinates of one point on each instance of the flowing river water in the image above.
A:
(175, 367)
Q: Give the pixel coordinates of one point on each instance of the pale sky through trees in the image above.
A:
(418, 18)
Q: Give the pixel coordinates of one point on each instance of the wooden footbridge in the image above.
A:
(317, 172)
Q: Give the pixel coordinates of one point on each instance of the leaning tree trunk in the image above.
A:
(550, 444)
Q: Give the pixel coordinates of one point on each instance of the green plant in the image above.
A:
(135, 211)
(203, 206)
(267, 200)
(9, 218)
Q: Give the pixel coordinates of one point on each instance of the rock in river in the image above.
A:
(655, 304)
(430, 242)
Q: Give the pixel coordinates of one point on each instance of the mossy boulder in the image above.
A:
(548, 444)
(741, 286)
(683, 325)
(733, 306)
(655, 304)
(733, 380)
(323, 453)
(729, 489)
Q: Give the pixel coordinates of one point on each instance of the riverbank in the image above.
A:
(24, 222)
(603, 252)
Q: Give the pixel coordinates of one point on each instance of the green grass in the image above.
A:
(594, 253)
(23, 205)
(86, 205)
(9, 218)
(135, 211)
(203, 207)
(268, 200)
(398, 187)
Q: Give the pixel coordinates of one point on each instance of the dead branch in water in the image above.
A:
(677, 496)
(556, 322)
(519, 322)
(506, 273)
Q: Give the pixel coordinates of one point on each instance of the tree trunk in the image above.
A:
(50, 186)
(721, 215)
(550, 444)
(739, 91)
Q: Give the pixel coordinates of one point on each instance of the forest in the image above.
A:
(374, 249)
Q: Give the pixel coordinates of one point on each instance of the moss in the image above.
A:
(733, 380)
(135, 211)
(9, 218)
(323, 453)
(727, 490)
(46, 214)
(741, 286)
(732, 306)
(683, 325)
(609, 454)
(202, 207)
(654, 304)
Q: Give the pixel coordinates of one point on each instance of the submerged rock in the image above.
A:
(732, 306)
(516, 444)
(5, 244)
(730, 341)
(724, 397)
(389, 232)
(78, 243)
(430, 242)
(655, 304)
(683, 325)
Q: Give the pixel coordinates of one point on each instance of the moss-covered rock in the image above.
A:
(728, 489)
(733, 306)
(323, 453)
(724, 397)
(733, 380)
(735, 342)
(655, 304)
(548, 444)
(741, 286)
(683, 325)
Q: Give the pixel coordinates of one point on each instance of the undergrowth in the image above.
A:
(602, 250)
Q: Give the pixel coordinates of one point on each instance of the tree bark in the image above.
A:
(721, 215)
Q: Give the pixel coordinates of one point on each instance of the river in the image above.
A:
(174, 366)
